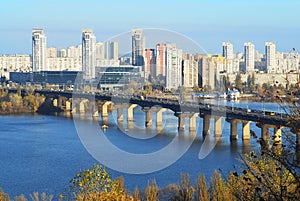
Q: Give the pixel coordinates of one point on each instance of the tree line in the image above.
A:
(16, 103)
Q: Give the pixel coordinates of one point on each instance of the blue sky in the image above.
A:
(209, 23)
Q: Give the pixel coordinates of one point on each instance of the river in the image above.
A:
(42, 153)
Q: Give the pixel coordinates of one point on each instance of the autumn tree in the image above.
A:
(238, 82)
(96, 184)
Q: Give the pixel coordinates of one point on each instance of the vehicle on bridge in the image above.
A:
(271, 113)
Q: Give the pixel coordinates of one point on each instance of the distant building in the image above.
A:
(100, 50)
(228, 50)
(173, 66)
(189, 70)
(107, 62)
(21, 77)
(228, 54)
(50, 77)
(62, 53)
(14, 63)
(249, 57)
(64, 63)
(160, 59)
(150, 63)
(270, 54)
(51, 52)
(118, 76)
(211, 71)
(74, 52)
(88, 54)
(138, 47)
(39, 50)
(111, 50)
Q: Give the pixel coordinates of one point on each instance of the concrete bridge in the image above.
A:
(100, 103)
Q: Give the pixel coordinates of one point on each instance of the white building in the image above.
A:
(88, 54)
(39, 48)
(249, 57)
(228, 50)
(173, 66)
(190, 70)
(270, 54)
(14, 63)
(138, 47)
(62, 53)
(64, 64)
(99, 50)
(107, 62)
(51, 52)
(228, 54)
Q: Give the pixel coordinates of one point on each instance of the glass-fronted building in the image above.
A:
(116, 77)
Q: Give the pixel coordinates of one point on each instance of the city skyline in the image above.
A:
(207, 23)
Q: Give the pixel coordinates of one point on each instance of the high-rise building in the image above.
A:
(51, 52)
(39, 50)
(88, 54)
(190, 70)
(160, 59)
(211, 68)
(150, 59)
(99, 50)
(227, 50)
(249, 57)
(270, 54)
(138, 47)
(74, 52)
(173, 66)
(111, 50)
(228, 54)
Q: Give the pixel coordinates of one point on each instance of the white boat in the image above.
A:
(233, 94)
(104, 127)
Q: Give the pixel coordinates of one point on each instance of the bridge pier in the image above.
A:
(81, 106)
(95, 110)
(246, 130)
(233, 130)
(193, 122)
(120, 114)
(130, 112)
(104, 112)
(68, 105)
(206, 125)
(159, 117)
(148, 122)
(181, 121)
(265, 132)
(54, 102)
(218, 126)
(60, 102)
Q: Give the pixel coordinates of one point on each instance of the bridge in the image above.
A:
(95, 103)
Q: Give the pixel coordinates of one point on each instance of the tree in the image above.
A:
(252, 82)
(238, 82)
(226, 81)
(96, 184)
(3, 196)
(151, 191)
(201, 190)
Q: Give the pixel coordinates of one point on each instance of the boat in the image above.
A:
(233, 94)
(104, 127)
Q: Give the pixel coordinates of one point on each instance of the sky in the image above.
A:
(207, 22)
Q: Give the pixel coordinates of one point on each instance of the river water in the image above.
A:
(43, 153)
